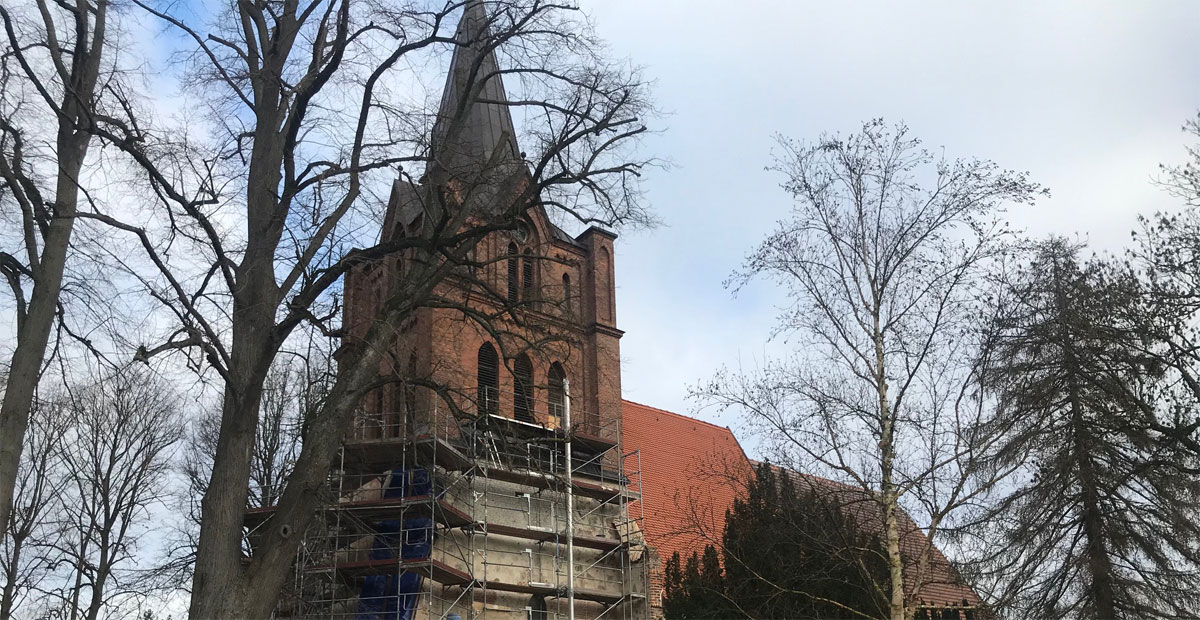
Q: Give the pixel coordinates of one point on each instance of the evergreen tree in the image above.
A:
(1102, 521)
(788, 552)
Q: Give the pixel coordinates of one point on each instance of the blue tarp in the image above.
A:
(395, 596)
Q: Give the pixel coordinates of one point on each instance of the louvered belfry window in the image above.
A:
(523, 388)
(489, 379)
(527, 279)
(556, 380)
(513, 273)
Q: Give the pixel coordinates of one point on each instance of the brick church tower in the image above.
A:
(462, 490)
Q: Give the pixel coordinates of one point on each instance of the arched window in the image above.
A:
(604, 292)
(537, 608)
(513, 273)
(523, 388)
(488, 376)
(556, 379)
(527, 278)
(566, 293)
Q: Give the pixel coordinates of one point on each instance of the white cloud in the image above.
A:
(1088, 97)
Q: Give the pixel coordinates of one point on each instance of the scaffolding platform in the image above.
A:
(439, 510)
(453, 514)
(435, 570)
(601, 543)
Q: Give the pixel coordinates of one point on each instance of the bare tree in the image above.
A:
(94, 478)
(296, 386)
(310, 108)
(1166, 258)
(115, 459)
(882, 258)
(26, 560)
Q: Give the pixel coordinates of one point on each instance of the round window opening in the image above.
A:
(521, 234)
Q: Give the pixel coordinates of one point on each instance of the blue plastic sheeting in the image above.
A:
(421, 483)
(397, 484)
(415, 539)
(418, 539)
(389, 597)
(395, 597)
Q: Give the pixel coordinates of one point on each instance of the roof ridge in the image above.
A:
(680, 415)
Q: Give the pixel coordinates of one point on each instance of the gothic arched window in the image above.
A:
(488, 377)
(556, 380)
(514, 274)
(523, 388)
(566, 293)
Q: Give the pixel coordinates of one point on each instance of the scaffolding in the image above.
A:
(444, 514)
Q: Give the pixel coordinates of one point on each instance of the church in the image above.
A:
(495, 470)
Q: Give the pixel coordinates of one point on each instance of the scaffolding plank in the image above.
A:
(436, 570)
(592, 441)
(586, 594)
(439, 510)
(586, 488)
(591, 542)
(366, 455)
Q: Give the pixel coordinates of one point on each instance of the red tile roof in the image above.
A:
(682, 460)
(686, 469)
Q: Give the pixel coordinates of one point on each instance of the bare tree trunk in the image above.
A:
(74, 113)
(888, 491)
(34, 333)
(229, 588)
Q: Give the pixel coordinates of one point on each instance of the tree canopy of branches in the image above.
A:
(883, 258)
(93, 476)
(1102, 520)
(789, 552)
(300, 115)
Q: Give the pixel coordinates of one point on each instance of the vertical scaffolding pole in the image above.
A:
(570, 504)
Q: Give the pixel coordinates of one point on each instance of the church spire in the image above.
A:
(474, 130)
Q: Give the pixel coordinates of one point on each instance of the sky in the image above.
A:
(1089, 98)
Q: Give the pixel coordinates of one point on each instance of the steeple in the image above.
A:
(473, 134)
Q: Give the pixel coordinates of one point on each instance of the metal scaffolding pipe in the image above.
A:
(570, 504)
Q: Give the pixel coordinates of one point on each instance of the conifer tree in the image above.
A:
(788, 551)
(1102, 522)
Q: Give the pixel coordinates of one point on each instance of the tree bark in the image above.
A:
(74, 114)
(896, 607)
(34, 333)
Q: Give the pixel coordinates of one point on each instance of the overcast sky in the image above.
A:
(1089, 97)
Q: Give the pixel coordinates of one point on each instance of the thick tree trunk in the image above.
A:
(223, 586)
(72, 140)
(34, 333)
(219, 587)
